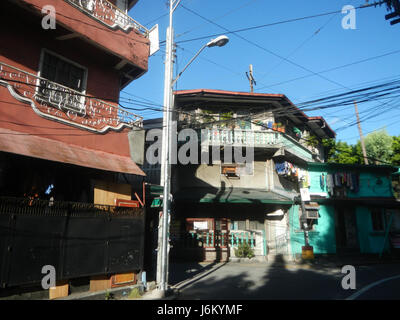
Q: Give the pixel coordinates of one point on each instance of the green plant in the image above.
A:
(135, 294)
(244, 251)
(312, 141)
(109, 296)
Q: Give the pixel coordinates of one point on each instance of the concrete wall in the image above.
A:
(369, 184)
(370, 241)
(130, 45)
(210, 175)
(24, 44)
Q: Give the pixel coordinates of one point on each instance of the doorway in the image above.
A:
(346, 230)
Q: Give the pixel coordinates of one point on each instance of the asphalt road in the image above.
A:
(258, 281)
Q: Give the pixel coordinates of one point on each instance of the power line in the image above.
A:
(265, 49)
(332, 69)
(217, 18)
(278, 22)
(298, 48)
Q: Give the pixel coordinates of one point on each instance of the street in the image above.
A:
(261, 281)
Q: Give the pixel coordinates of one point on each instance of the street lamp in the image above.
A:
(219, 42)
(165, 181)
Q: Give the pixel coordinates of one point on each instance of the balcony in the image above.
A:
(56, 102)
(256, 139)
(108, 14)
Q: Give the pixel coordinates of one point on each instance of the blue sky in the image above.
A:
(225, 67)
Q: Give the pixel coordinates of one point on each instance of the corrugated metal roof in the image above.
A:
(48, 149)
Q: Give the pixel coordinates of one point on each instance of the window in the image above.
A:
(256, 225)
(378, 221)
(65, 73)
(237, 170)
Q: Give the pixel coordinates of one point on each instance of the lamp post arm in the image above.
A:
(191, 60)
(176, 5)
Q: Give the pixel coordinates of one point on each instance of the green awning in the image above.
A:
(230, 195)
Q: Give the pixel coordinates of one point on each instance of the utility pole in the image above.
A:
(169, 133)
(163, 245)
(249, 76)
(361, 135)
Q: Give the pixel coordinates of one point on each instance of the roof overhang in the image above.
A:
(230, 195)
(48, 149)
(318, 166)
(317, 124)
(131, 4)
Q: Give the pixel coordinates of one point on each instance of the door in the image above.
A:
(346, 230)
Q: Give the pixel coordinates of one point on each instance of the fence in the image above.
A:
(222, 239)
(281, 244)
(77, 239)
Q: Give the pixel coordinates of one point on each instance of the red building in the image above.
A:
(64, 139)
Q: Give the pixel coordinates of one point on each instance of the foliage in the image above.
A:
(312, 141)
(379, 147)
(244, 251)
(109, 296)
(135, 294)
(396, 151)
(341, 152)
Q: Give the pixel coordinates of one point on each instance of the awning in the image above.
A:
(230, 195)
(382, 202)
(48, 149)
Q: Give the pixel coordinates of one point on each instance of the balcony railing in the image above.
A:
(56, 102)
(108, 14)
(252, 138)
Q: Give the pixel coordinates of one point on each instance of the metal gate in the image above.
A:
(281, 244)
(77, 239)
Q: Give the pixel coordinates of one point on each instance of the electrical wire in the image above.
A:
(277, 23)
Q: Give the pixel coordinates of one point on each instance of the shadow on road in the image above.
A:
(182, 272)
(266, 282)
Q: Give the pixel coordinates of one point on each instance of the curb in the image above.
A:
(116, 293)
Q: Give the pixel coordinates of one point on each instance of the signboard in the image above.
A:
(305, 194)
(200, 225)
(154, 40)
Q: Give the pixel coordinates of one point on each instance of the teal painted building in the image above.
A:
(355, 205)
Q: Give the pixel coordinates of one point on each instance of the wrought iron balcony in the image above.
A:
(54, 101)
(108, 14)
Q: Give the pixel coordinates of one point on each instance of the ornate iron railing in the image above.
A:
(41, 207)
(110, 15)
(60, 103)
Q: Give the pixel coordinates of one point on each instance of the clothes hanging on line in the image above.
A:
(343, 179)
